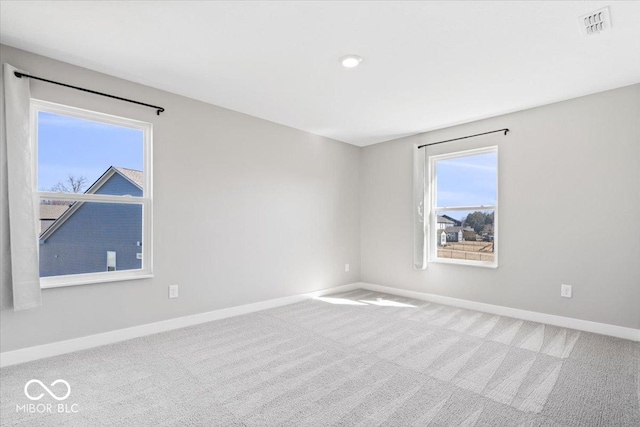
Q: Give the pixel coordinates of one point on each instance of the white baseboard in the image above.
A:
(62, 347)
(565, 322)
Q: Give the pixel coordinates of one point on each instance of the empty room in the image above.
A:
(320, 213)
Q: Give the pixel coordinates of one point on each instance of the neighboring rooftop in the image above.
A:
(49, 214)
(52, 212)
(445, 220)
(133, 175)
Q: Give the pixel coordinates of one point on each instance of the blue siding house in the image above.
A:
(92, 237)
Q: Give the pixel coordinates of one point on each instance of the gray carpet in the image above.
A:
(357, 358)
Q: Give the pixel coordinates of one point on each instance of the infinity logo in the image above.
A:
(52, 394)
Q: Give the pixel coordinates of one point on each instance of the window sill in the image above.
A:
(92, 278)
(481, 264)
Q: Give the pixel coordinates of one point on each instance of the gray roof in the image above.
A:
(443, 220)
(52, 212)
(133, 175)
(456, 221)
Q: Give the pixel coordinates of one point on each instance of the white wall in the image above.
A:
(245, 210)
(567, 171)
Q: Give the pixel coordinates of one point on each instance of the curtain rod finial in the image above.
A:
(17, 74)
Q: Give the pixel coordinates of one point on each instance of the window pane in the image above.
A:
(111, 261)
(78, 156)
(467, 181)
(89, 237)
(466, 235)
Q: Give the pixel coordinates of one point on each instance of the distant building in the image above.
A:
(488, 229)
(90, 237)
(460, 234)
(456, 223)
(444, 222)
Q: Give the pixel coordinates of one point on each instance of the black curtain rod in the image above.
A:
(158, 109)
(464, 137)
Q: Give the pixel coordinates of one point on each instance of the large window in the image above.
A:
(93, 183)
(464, 207)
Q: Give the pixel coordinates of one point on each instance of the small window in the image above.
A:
(464, 207)
(111, 261)
(93, 181)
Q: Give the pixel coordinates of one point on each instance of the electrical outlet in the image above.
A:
(346, 268)
(565, 291)
(173, 291)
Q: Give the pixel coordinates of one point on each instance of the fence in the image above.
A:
(472, 251)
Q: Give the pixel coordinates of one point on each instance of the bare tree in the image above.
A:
(72, 184)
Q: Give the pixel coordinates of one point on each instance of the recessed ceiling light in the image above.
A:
(350, 61)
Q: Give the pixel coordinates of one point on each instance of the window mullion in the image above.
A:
(466, 208)
(81, 197)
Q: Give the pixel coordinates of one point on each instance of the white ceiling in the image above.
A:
(427, 65)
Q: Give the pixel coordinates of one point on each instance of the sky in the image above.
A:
(72, 146)
(466, 181)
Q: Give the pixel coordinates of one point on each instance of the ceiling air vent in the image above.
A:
(595, 22)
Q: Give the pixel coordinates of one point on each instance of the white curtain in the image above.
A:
(420, 220)
(19, 276)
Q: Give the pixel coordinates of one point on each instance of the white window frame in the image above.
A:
(434, 210)
(146, 200)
